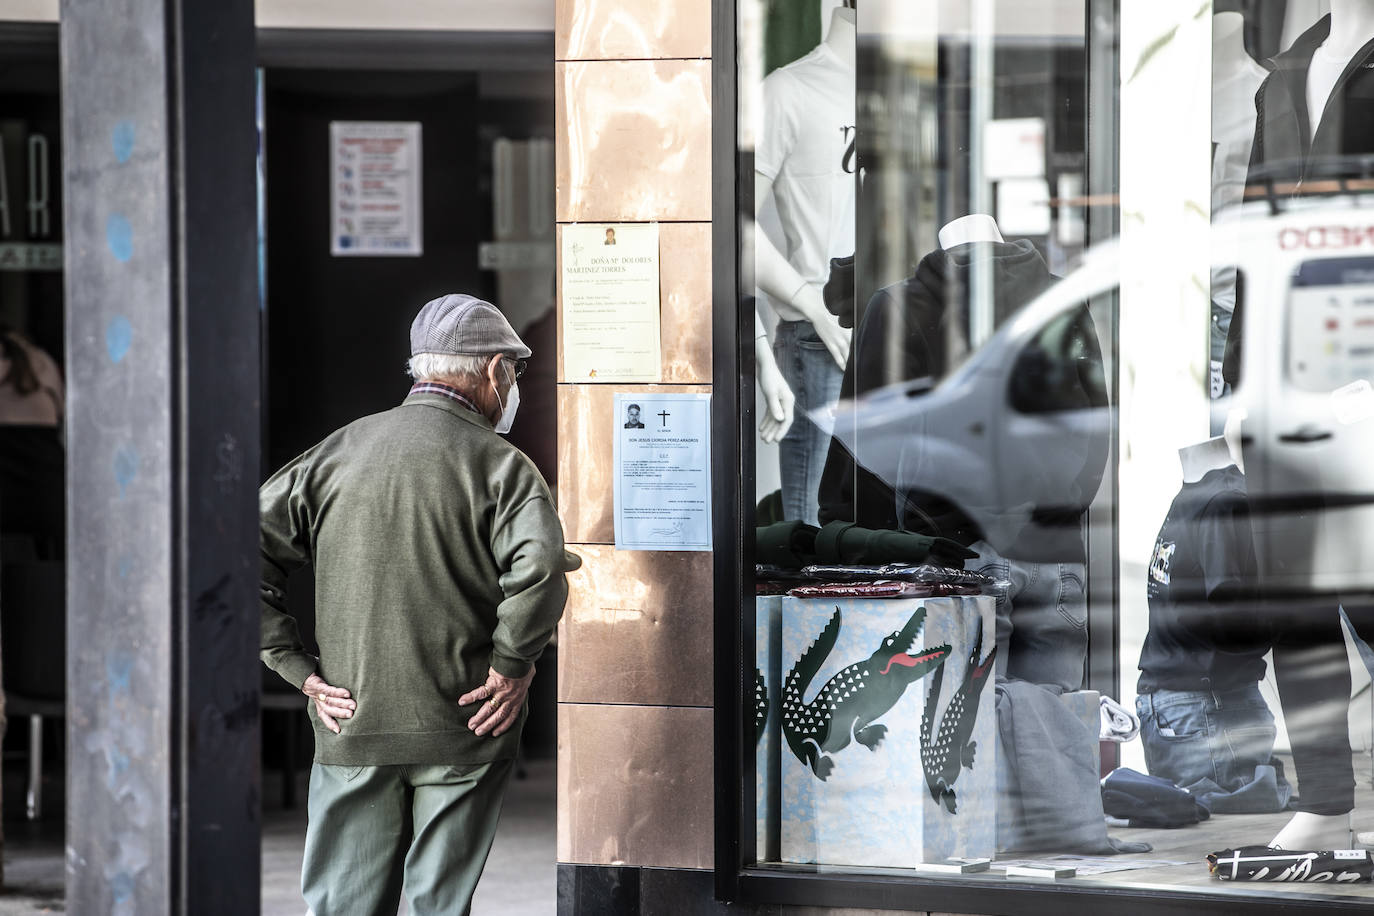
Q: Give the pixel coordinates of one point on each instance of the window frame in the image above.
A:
(736, 879)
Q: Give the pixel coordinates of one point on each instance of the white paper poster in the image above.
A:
(376, 190)
(662, 471)
(611, 303)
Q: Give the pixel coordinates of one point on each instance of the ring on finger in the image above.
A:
(494, 702)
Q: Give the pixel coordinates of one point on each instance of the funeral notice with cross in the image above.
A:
(662, 471)
(610, 300)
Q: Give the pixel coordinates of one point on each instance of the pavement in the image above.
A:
(520, 878)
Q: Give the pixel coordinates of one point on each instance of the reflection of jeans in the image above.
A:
(813, 376)
(1218, 745)
(1042, 621)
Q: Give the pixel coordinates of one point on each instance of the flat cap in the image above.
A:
(462, 325)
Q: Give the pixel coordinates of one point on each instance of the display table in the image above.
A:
(856, 781)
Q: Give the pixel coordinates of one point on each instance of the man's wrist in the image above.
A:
(510, 666)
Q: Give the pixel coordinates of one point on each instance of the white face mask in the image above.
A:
(508, 409)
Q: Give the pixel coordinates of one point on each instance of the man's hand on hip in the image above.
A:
(501, 699)
(331, 703)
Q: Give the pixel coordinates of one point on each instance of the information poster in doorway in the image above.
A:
(610, 298)
(376, 191)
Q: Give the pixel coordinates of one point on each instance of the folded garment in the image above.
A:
(789, 545)
(1148, 801)
(879, 588)
(764, 588)
(1267, 863)
(1118, 723)
(847, 543)
(764, 572)
(795, 544)
(926, 574)
(1048, 790)
(838, 292)
(769, 510)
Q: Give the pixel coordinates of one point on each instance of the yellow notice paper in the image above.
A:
(611, 303)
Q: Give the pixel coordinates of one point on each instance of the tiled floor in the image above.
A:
(520, 880)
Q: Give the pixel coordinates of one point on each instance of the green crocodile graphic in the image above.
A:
(850, 701)
(943, 753)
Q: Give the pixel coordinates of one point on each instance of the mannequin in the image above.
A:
(778, 399)
(1204, 724)
(805, 163)
(1352, 25)
(1314, 111)
(1212, 455)
(772, 271)
(976, 227)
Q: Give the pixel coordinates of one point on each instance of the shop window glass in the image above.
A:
(1061, 369)
(1042, 574)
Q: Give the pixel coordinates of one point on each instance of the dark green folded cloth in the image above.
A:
(769, 511)
(846, 542)
(790, 545)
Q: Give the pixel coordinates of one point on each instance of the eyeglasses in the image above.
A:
(520, 366)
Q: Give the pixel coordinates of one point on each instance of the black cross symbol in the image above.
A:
(665, 415)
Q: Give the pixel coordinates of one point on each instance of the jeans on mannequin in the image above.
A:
(813, 376)
(1217, 744)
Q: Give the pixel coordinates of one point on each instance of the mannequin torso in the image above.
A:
(1352, 26)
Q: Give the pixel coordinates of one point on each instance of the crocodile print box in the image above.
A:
(888, 731)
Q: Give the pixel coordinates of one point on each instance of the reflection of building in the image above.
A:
(1063, 120)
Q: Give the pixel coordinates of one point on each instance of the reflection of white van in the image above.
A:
(1010, 438)
(1308, 360)
(1016, 437)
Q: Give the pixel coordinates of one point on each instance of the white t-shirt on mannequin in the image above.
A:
(806, 149)
(1325, 69)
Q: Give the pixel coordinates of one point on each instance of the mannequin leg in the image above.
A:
(1313, 676)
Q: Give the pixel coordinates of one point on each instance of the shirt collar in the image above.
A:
(447, 391)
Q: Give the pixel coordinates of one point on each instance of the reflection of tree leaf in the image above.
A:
(1151, 50)
(1203, 10)
(1195, 207)
(1197, 281)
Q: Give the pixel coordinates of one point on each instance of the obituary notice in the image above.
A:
(662, 471)
(610, 303)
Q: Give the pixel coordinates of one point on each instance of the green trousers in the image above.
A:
(374, 829)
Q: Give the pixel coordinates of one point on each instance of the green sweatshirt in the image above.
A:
(437, 553)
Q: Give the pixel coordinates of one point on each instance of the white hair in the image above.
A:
(448, 366)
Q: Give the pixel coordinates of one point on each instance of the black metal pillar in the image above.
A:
(162, 444)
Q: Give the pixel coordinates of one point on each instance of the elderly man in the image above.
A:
(439, 578)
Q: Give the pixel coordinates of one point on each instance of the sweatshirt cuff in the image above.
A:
(508, 666)
(294, 669)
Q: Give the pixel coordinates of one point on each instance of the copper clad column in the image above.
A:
(635, 748)
(162, 456)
